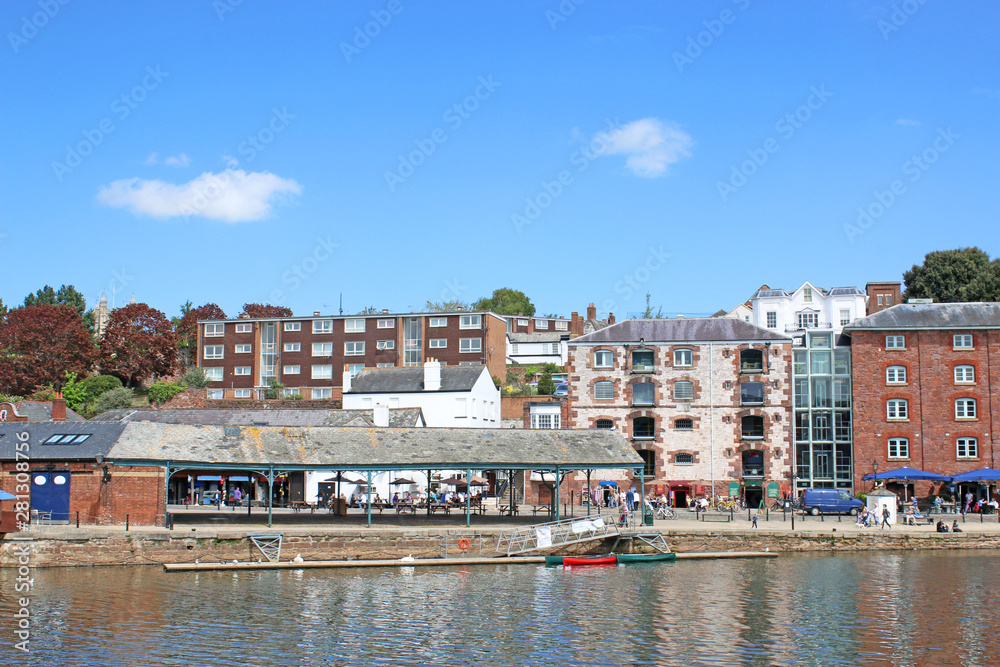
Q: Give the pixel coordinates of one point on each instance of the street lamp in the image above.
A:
(874, 474)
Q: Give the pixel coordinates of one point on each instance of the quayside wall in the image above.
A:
(97, 546)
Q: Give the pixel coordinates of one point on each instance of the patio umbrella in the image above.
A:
(981, 475)
(349, 477)
(453, 481)
(909, 474)
(401, 481)
(478, 481)
(608, 483)
(7, 496)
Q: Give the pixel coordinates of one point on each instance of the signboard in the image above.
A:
(734, 489)
(772, 490)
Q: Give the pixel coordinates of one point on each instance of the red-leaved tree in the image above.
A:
(39, 345)
(187, 329)
(265, 310)
(138, 343)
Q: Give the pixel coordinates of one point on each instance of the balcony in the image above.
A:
(792, 328)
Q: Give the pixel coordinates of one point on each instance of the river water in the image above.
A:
(891, 608)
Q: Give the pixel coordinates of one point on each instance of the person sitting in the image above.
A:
(941, 527)
(395, 498)
(955, 528)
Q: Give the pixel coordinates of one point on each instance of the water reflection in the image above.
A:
(886, 608)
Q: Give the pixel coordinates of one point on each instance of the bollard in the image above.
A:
(793, 519)
(78, 518)
(126, 523)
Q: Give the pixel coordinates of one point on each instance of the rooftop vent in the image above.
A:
(920, 301)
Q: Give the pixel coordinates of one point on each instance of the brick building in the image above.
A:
(883, 295)
(707, 403)
(309, 355)
(927, 388)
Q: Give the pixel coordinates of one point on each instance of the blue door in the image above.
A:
(50, 493)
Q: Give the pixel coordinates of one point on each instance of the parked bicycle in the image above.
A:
(665, 513)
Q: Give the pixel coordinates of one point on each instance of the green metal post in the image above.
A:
(369, 503)
(270, 482)
(468, 497)
(590, 493)
(557, 493)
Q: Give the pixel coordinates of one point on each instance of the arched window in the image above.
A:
(751, 393)
(896, 408)
(604, 424)
(683, 390)
(895, 375)
(965, 374)
(642, 393)
(899, 448)
(684, 424)
(603, 359)
(648, 462)
(751, 361)
(753, 426)
(683, 358)
(644, 428)
(683, 459)
(967, 448)
(965, 408)
(604, 391)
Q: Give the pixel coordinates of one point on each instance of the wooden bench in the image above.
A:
(509, 510)
(541, 508)
(440, 507)
(709, 516)
(302, 505)
(404, 508)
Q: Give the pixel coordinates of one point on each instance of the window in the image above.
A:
(604, 424)
(244, 348)
(603, 359)
(888, 299)
(213, 374)
(562, 325)
(470, 322)
(293, 347)
(683, 459)
(895, 375)
(842, 426)
(216, 394)
(322, 326)
(772, 320)
(541, 324)
(683, 358)
(241, 393)
(643, 428)
(841, 362)
(604, 391)
(751, 361)
(819, 363)
(470, 345)
(322, 350)
(322, 372)
(354, 348)
(800, 362)
(965, 374)
(895, 342)
(808, 320)
(683, 390)
(319, 394)
(461, 409)
(684, 424)
(64, 439)
(441, 322)
(213, 351)
(292, 369)
(821, 341)
(354, 326)
(880, 299)
(244, 327)
(293, 326)
(962, 341)
(642, 393)
(386, 324)
(545, 421)
(967, 448)
(215, 330)
(896, 408)
(242, 370)
(752, 427)
(354, 369)
(752, 393)
(807, 294)
(642, 361)
(648, 462)
(381, 365)
(965, 408)
(899, 448)
(439, 343)
(845, 317)
(385, 345)
(291, 393)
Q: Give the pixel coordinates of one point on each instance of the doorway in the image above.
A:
(681, 496)
(50, 494)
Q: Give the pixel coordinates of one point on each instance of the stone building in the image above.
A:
(707, 403)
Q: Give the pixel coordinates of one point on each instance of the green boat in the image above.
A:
(553, 560)
(646, 558)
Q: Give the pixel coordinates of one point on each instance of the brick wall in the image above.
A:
(198, 399)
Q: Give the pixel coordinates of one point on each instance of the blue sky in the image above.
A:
(274, 152)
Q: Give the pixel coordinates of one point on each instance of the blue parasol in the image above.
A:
(608, 483)
(981, 475)
(7, 496)
(908, 474)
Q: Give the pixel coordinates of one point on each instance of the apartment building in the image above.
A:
(542, 340)
(309, 355)
(927, 388)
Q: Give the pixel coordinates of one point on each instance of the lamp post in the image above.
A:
(874, 474)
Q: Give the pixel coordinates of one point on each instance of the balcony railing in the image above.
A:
(790, 328)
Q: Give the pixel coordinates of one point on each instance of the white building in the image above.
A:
(808, 307)
(536, 348)
(449, 396)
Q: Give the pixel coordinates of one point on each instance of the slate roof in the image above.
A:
(701, 329)
(327, 448)
(102, 437)
(398, 417)
(537, 337)
(932, 316)
(408, 380)
(41, 411)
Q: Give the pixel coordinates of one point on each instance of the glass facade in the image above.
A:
(822, 397)
(412, 342)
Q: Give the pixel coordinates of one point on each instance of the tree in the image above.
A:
(113, 399)
(67, 295)
(138, 342)
(161, 392)
(187, 328)
(265, 310)
(81, 395)
(506, 301)
(370, 310)
(648, 313)
(195, 377)
(39, 345)
(3, 308)
(445, 306)
(952, 276)
(545, 384)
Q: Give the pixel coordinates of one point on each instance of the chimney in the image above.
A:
(315, 313)
(611, 318)
(347, 382)
(680, 317)
(385, 311)
(575, 324)
(432, 375)
(58, 409)
(591, 312)
(380, 415)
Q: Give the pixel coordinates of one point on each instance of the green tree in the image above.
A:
(545, 384)
(445, 306)
(648, 313)
(195, 377)
(161, 392)
(67, 295)
(506, 301)
(953, 276)
(114, 399)
(3, 308)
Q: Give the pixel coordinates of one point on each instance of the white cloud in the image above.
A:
(650, 144)
(181, 160)
(909, 122)
(230, 195)
(152, 159)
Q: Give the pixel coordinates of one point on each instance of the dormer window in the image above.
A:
(807, 294)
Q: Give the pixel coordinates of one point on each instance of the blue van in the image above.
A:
(830, 501)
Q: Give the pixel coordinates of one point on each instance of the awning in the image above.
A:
(753, 483)
(209, 478)
(239, 479)
(678, 484)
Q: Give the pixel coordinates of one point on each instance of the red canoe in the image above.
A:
(590, 560)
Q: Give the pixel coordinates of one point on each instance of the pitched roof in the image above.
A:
(360, 449)
(102, 437)
(932, 316)
(41, 411)
(398, 417)
(537, 337)
(701, 329)
(409, 380)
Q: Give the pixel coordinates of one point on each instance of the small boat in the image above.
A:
(646, 558)
(601, 559)
(553, 560)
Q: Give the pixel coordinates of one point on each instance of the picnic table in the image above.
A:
(509, 510)
(301, 505)
(440, 507)
(405, 508)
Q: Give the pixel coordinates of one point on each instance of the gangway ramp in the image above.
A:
(557, 533)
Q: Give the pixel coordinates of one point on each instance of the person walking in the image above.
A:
(885, 518)
(754, 523)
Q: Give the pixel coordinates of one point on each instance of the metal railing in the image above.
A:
(557, 533)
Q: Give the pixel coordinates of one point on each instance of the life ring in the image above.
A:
(463, 544)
